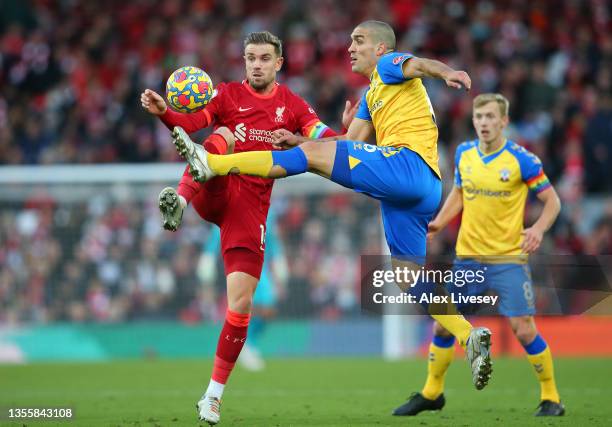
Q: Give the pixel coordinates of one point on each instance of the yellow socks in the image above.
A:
(256, 163)
(442, 350)
(456, 325)
(441, 354)
(260, 163)
(540, 357)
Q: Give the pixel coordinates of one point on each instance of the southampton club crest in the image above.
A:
(504, 175)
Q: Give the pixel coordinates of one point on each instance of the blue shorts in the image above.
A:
(408, 189)
(511, 282)
(265, 294)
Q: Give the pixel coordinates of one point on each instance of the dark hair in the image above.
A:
(265, 37)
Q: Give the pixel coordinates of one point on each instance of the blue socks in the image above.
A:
(537, 346)
(443, 342)
(293, 161)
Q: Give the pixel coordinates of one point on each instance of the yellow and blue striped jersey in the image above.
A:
(400, 110)
(494, 188)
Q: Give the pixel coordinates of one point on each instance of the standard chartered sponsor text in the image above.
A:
(260, 135)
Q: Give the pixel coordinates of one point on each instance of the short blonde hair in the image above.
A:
(485, 98)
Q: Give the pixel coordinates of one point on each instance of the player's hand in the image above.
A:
(532, 238)
(349, 113)
(433, 228)
(285, 139)
(458, 80)
(152, 102)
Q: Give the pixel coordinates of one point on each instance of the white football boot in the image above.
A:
(170, 208)
(193, 153)
(209, 409)
(478, 352)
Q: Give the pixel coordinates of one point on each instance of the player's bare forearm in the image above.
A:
(423, 67)
(532, 236)
(550, 212)
(451, 208)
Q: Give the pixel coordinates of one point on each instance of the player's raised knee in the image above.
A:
(241, 303)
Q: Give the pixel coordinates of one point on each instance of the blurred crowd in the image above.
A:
(71, 71)
(70, 77)
(108, 260)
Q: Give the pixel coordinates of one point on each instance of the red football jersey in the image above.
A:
(241, 215)
(251, 117)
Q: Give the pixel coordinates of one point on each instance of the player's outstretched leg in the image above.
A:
(478, 352)
(209, 409)
(194, 154)
(170, 208)
(203, 165)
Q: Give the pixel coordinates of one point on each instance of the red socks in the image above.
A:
(215, 144)
(232, 338)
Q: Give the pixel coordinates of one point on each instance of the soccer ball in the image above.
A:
(189, 89)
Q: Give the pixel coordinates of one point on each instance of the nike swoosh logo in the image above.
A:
(244, 109)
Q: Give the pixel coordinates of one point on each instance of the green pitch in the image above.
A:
(300, 392)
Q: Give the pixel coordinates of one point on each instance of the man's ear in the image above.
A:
(279, 63)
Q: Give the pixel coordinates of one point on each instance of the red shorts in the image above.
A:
(239, 207)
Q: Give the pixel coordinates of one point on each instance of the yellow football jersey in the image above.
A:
(495, 188)
(400, 110)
